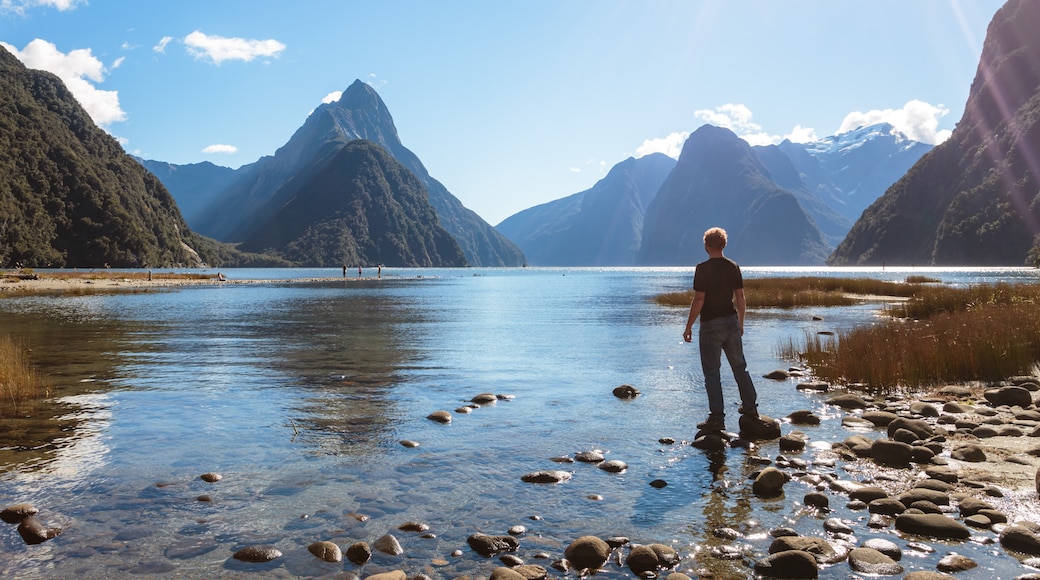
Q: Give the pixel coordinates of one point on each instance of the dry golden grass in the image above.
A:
(981, 333)
(794, 292)
(18, 380)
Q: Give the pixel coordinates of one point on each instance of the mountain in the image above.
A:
(601, 226)
(974, 200)
(193, 186)
(358, 206)
(719, 181)
(69, 195)
(360, 113)
(837, 177)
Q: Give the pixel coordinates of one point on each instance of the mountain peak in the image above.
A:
(360, 95)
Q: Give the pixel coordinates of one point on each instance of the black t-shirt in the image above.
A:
(717, 278)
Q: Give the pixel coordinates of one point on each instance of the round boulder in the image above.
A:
(933, 526)
(1022, 537)
(359, 553)
(258, 554)
(1010, 396)
(487, 546)
(17, 512)
(440, 417)
(326, 551)
(587, 552)
(651, 558)
(788, 564)
(546, 476)
(769, 483)
(626, 392)
(871, 561)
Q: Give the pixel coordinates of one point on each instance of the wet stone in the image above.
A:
(326, 551)
(17, 512)
(257, 554)
(870, 561)
(955, 563)
(440, 417)
(359, 553)
(886, 547)
(587, 552)
(388, 544)
(211, 477)
(547, 476)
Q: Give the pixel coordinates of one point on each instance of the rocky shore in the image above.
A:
(952, 472)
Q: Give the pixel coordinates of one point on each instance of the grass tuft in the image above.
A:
(18, 380)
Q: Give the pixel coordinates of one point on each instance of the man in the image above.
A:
(718, 299)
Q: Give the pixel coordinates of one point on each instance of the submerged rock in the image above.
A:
(587, 552)
(788, 564)
(487, 546)
(626, 392)
(17, 512)
(258, 554)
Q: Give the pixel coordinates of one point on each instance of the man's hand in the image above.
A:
(687, 334)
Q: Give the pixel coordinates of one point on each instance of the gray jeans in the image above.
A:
(718, 335)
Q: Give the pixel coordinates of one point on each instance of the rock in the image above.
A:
(815, 386)
(1010, 396)
(33, 532)
(868, 493)
(891, 453)
(905, 435)
(923, 409)
(211, 477)
(759, 428)
(326, 551)
(928, 575)
(1037, 483)
(485, 399)
(968, 452)
(848, 401)
(788, 564)
(658, 483)
(510, 560)
(1022, 537)
(19, 511)
(388, 544)
(919, 427)
(917, 494)
(955, 563)
(613, 466)
(970, 506)
(440, 417)
(804, 417)
(793, 441)
(587, 552)
(853, 422)
(359, 553)
(837, 526)
(517, 530)
(417, 527)
(709, 441)
(879, 418)
(871, 561)
(626, 392)
(532, 571)
(408, 443)
(593, 456)
(487, 546)
(956, 408)
(650, 558)
(777, 375)
(886, 506)
(505, 573)
(817, 500)
(821, 549)
(391, 575)
(258, 554)
(933, 526)
(546, 476)
(769, 483)
(942, 473)
(886, 547)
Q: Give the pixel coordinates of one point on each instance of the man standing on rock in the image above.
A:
(718, 298)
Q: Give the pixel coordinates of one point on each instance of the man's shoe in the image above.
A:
(749, 411)
(713, 423)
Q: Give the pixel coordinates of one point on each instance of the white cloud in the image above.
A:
(737, 118)
(118, 62)
(670, 145)
(218, 48)
(332, 97)
(917, 120)
(220, 148)
(78, 69)
(161, 47)
(802, 135)
(575, 169)
(20, 6)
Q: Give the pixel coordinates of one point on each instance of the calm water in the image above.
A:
(299, 395)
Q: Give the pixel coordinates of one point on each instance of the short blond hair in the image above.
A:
(715, 238)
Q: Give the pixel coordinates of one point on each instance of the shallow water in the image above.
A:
(299, 395)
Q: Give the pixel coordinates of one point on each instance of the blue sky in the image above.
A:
(508, 104)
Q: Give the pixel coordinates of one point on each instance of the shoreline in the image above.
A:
(73, 282)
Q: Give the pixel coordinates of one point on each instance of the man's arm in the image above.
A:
(741, 303)
(695, 310)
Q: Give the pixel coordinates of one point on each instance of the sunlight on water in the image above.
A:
(300, 396)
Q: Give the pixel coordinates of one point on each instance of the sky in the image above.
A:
(508, 104)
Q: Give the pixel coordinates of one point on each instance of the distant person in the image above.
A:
(221, 278)
(359, 271)
(344, 270)
(718, 299)
(379, 271)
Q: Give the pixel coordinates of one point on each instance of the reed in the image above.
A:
(19, 382)
(802, 291)
(986, 343)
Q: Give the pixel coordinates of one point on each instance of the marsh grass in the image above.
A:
(19, 382)
(801, 291)
(981, 333)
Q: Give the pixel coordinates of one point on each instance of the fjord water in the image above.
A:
(299, 395)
